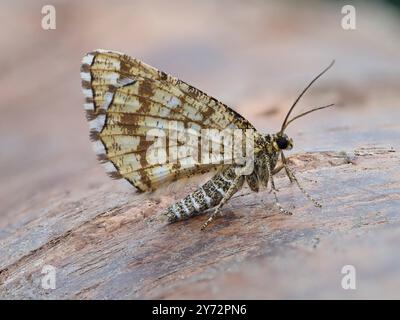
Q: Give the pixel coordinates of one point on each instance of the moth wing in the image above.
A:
(126, 99)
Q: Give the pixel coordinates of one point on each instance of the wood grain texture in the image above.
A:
(58, 207)
(124, 252)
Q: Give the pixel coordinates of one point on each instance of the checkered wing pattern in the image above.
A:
(126, 99)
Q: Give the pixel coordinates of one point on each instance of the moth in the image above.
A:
(125, 99)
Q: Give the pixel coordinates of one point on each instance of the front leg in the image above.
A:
(293, 177)
(280, 166)
(284, 164)
(273, 189)
(277, 168)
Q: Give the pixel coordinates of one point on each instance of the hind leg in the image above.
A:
(233, 188)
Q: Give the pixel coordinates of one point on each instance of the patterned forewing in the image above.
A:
(125, 98)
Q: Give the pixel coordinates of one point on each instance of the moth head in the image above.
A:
(281, 141)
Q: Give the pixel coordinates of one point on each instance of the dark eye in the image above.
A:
(282, 142)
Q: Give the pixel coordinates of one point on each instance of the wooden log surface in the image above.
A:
(59, 208)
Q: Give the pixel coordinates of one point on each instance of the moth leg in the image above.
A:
(273, 189)
(278, 168)
(284, 164)
(290, 173)
(229, 193)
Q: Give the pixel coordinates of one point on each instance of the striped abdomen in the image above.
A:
(207, 196)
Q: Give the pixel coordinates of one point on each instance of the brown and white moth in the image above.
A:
(129, 104)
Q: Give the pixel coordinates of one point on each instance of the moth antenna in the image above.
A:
(284, 124)
(307, 112)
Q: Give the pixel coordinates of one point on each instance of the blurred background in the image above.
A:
(256, 56)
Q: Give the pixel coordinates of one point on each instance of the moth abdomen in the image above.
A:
(207, 196)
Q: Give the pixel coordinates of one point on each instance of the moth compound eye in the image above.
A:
(282, 143)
